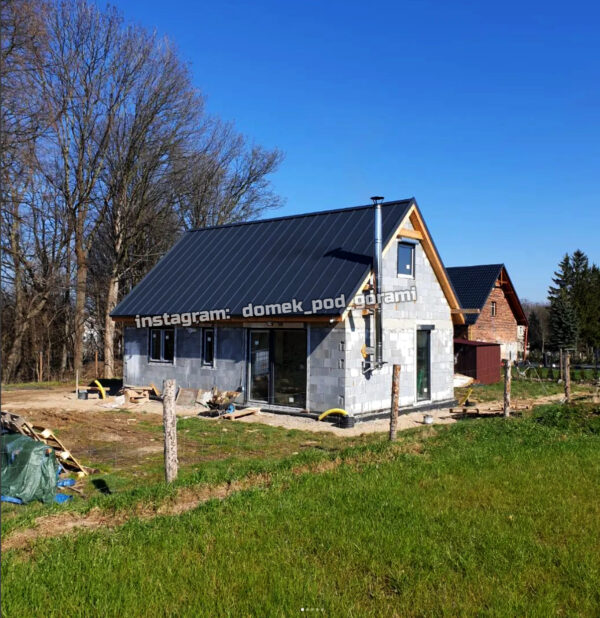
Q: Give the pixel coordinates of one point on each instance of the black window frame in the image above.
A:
(205, 332)
(162, 359)
(412, 247)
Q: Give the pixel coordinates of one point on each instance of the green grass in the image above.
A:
(495, 517)
(13, 386)
(520, 389)
(209, 453)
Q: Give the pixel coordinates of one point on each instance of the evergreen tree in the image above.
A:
(563, 278)
(563, 321)
(535, 335)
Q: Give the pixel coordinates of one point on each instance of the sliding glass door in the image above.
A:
(278, 367)
(260, 371)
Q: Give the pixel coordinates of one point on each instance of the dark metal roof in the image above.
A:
(303, 257)
(473, 285)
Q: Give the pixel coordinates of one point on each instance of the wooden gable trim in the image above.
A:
(418, 223)
(420, 233)
(414, 234)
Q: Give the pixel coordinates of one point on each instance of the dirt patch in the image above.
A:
(186, 499)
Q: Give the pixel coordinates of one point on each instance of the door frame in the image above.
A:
(429, 328)
(271, 395)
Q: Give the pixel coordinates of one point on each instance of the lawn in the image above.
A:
(209, 453)
(491, 516)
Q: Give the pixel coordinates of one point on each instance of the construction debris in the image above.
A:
(239, 413)
(186, 397)
(222, 399)
(13, 423)
(460, 380)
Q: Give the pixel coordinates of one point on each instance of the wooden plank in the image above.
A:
(239, 413)
(187, 396)
(414, 234)
(465, 311)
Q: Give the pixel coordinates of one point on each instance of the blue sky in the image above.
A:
(487, 113)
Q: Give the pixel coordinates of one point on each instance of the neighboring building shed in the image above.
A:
(478, 360)
(277, 309)
(496, 313)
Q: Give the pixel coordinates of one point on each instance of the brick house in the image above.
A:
(285, 311)
(497, 316)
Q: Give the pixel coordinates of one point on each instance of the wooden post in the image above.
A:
(395, 402)
(96, 361)
(41, 370)
(560, 357)
(170, 429)
(567, 368)
(507, 385)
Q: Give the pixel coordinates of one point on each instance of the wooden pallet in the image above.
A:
(17, 424)
(465, 410)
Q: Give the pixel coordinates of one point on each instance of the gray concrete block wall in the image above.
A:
(327, 368)
(228, 372)
(372, 392)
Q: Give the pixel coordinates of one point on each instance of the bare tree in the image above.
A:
(88, 71)
(106, 157)
(164, 111)
(23, 35)
(224, 180)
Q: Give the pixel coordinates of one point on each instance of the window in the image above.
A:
(493, 308)
(406, 259)
(208, 346)
(162, 344)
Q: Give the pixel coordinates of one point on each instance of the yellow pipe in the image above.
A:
(333, 411)
(101, 389)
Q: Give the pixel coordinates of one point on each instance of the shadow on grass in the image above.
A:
(101, 486)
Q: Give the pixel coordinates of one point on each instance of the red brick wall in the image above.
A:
(502, 328)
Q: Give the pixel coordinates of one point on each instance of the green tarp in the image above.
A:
(29, 469)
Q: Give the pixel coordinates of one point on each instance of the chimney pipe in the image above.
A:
(377, 273)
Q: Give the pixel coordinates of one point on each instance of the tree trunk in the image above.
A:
(507, 387)
(170, 430)
(567, 367)
(109, 328)
(20, 325)
(80, 298)
(64, 355)
(395, 402)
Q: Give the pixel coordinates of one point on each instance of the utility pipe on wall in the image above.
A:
(377, 250)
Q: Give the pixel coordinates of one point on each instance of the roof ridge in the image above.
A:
(477, 265)
(299, 215)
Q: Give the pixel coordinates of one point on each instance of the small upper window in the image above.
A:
(162, 344)
(406, 259)
(493, 308)
(208, 346)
